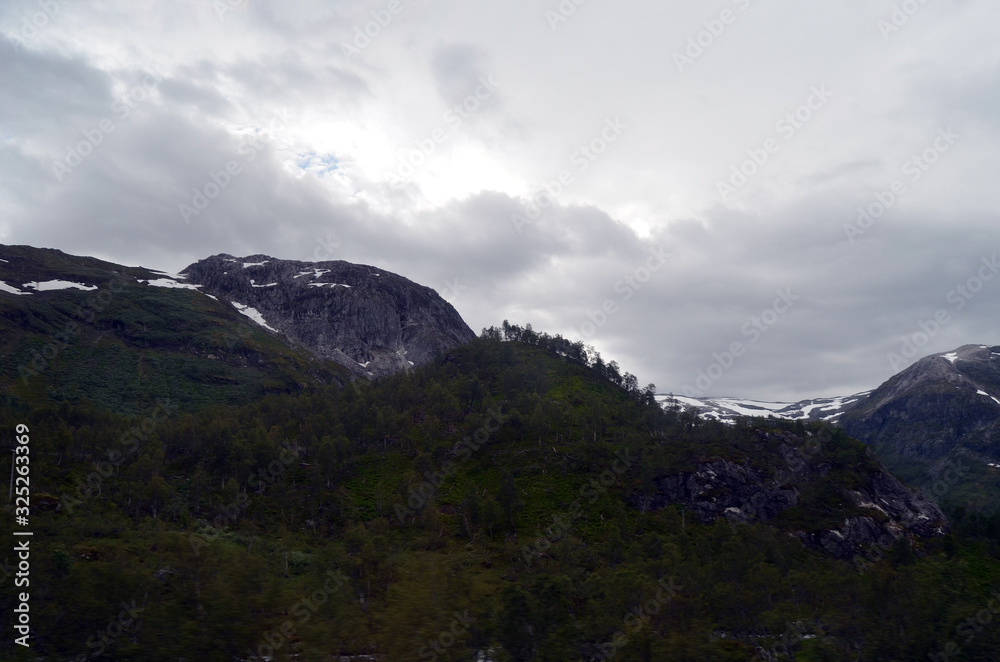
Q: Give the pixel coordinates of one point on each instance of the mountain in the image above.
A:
(78, 329)
(211, 485)
(936, 423)
(369, 320)
(941, 414)
(730, 409)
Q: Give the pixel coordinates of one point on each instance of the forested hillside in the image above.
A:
(486, 506)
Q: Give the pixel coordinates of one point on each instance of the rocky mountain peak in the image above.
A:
(369, 320)
(942, 404)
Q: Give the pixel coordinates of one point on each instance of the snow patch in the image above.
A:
(951, 356)
(330, 284)
(316, 273)
(59, 285)
(253, 314)
(268, 285)
(4, 287)
(169, 284)
(246, 265)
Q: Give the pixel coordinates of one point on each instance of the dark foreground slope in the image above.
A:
(131, 337)
(508, 502)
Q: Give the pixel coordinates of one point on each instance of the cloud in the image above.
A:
(317, 138)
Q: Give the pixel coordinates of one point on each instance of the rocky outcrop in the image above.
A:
(721, 488)
(369, 320)
(876, 508)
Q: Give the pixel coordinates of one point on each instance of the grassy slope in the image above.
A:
(126, 344)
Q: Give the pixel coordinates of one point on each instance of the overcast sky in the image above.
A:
(420, 136)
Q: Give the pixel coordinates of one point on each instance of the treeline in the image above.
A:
(573, 351)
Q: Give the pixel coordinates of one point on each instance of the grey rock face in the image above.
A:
(369, 320)
(722, 488)
(939, 404)
(742, 493)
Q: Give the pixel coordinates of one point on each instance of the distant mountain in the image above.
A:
(942, 402)
(939, 417)
(367, 319)
(940, 413)
(729, 409)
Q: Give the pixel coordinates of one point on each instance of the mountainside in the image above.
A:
(940, 403)
(226, 330)
(511, 501)
(369, 320)
(941, 412)
(78, 329)
(781, 484)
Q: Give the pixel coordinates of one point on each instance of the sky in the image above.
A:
(768, 200)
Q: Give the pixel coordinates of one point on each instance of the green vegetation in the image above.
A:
(479, 503)
(125, 344)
